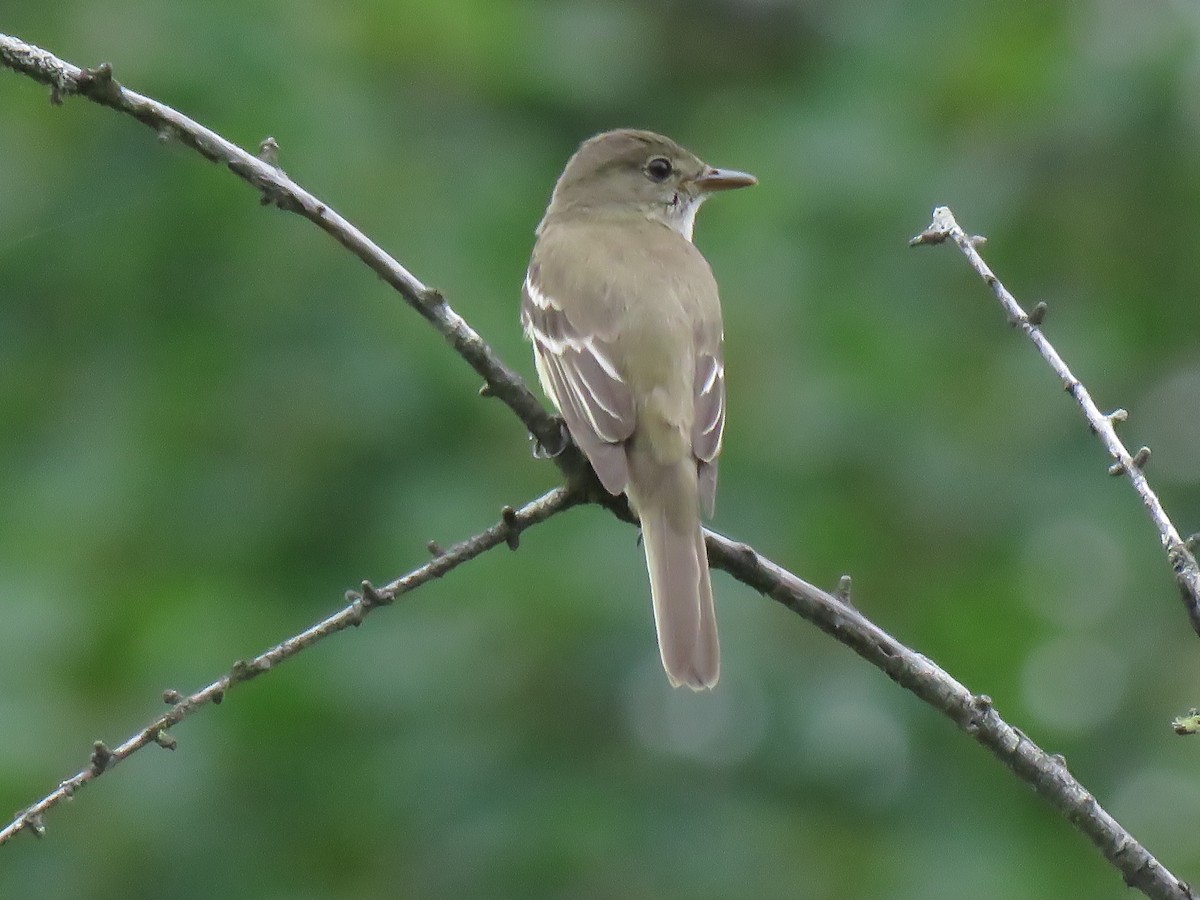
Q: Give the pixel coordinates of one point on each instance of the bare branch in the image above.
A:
(1183, 563)
(276, 188)
(974, 714)
(512, 523)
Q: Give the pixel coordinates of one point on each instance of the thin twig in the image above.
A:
(974, 714)
(512, 523)
(1183, 563)
(276, 188)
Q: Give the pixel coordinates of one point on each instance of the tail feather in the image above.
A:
(680, 588)
(708, 649)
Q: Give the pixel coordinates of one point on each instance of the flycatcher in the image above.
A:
(626, 328)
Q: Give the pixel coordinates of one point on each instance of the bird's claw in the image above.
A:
(541, 451)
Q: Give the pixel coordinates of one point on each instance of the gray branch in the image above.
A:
(276, 188)
(1183, 562)
(361, 603)
(973, 714)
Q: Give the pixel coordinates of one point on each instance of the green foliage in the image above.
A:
(213, 421)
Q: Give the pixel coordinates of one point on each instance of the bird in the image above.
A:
(625, 321)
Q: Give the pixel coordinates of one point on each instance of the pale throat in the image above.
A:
(681, 215)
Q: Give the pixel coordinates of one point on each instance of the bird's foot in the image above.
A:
(541, 451)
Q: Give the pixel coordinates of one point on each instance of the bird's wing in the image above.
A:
(577, 371)
(709, 424)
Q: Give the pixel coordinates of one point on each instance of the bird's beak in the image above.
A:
(724, 180)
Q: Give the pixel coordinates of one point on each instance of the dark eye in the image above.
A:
(659, 168)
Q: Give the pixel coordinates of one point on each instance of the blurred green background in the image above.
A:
(213, 421)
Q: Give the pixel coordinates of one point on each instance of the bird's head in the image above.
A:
(639, 173)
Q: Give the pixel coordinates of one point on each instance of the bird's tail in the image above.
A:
(667, 500)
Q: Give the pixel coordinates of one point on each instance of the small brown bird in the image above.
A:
(626, 328)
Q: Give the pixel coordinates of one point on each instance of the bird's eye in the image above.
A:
(659, 168)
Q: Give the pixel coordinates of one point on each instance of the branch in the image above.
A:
(1183, 563)
(974, 714)
(506, 531)
(276, 188)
